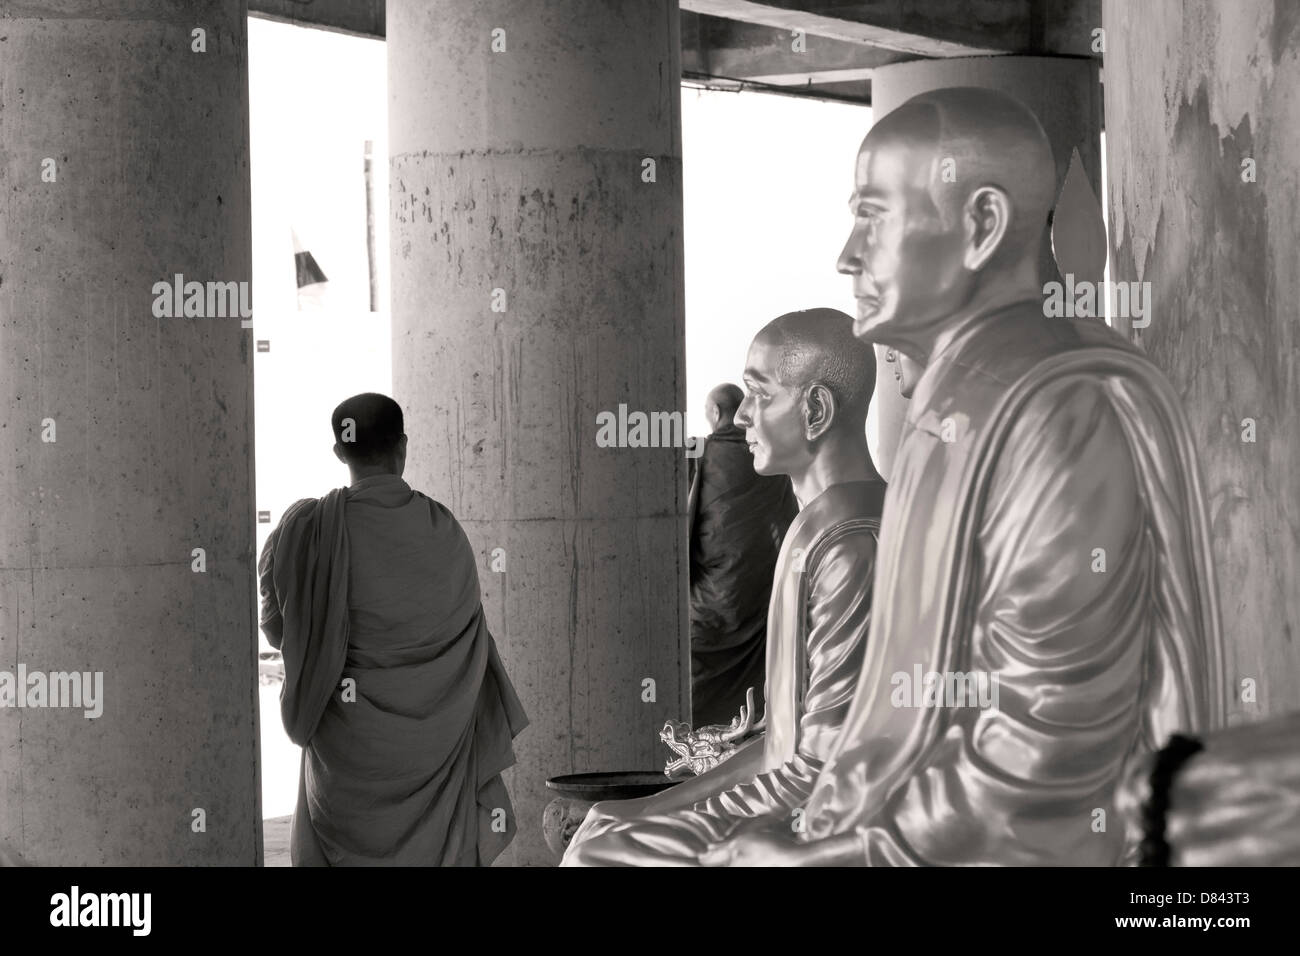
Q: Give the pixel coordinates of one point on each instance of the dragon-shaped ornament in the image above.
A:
(699, 751)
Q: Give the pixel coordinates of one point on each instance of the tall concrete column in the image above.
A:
(127, 438)
(537, 282)
(1064, 93)
(1203, 150)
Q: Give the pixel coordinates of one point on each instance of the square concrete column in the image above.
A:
(126, 511)
(536, 283)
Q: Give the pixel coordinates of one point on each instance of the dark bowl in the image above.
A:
(610, 785)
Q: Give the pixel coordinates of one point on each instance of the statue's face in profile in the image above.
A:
(772, 414)
(904, 256)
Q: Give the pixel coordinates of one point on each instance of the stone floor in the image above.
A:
(275, 836)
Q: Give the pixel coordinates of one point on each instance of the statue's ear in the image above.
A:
(987, 217)
(818, 410)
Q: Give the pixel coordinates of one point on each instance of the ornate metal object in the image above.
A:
(699, 751)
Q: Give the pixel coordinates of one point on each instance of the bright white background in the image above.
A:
(315, 98)
(766, 183)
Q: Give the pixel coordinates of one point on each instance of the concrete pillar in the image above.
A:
(1065, 95)
(1203, 136)
(536, 282)
(127, 442)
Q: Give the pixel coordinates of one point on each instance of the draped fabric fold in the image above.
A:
(309, 565)
(393, 683)
(817, 630)
(985, 567)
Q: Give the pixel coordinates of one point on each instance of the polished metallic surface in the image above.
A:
(987, 566)
(808, 382)
(699, 751)
(817, 627)
(1044, 530)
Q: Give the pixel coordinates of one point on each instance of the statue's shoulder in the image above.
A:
(839, 514)
(1092, 353)
(1009, 345)
(1019, 344)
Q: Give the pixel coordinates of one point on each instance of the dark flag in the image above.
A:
(311, 279)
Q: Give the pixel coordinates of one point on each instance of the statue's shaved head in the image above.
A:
(818, 345)
(963, 138)
(808, 385)
(952, 191)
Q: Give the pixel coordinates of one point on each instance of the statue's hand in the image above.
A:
(755, 848)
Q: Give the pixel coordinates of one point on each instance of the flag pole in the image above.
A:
(370, 229)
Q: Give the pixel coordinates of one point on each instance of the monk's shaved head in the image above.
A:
(818, 345)
(727, 398)
(368, 428)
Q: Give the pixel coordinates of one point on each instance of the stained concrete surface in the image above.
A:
(1221, 86)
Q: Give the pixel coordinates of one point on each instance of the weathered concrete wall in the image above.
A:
(522, 170)
(1064, 94)
(152, 449)
(1193, 90)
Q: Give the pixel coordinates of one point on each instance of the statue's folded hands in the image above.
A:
(743, 764)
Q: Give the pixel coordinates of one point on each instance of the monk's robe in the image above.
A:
(393, 686)
(1044, 526)
(738, 520)
(817, 629)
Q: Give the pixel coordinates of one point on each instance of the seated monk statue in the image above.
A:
(1044, 532)
(808, 384)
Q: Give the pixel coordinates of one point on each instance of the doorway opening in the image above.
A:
(318, 125)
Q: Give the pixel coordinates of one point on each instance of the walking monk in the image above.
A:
(808, 384)
(393, 686)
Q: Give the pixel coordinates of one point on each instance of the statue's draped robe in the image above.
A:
(817, 629)
(1034, 450)
(372, 592)
(738, 519)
